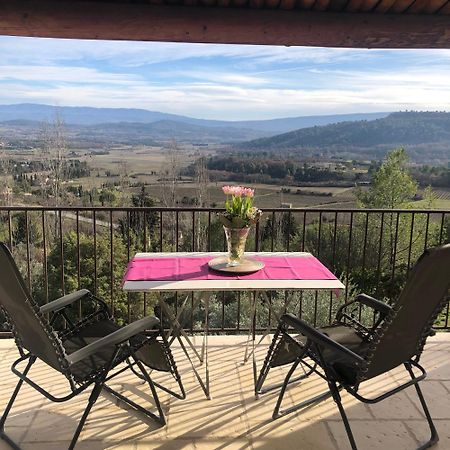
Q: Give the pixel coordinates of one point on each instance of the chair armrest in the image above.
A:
(64, 301)
(115, 338)
(377, 305)
(318, 337)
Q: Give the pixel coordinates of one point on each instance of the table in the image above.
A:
(186, 272)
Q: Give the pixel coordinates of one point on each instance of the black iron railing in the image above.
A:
(60, 249)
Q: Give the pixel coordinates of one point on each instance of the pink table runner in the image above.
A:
(196, 268)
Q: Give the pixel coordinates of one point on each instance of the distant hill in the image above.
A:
(419, 131)
(163, 131)
(95, 116)
(294, 123)
(29, 133)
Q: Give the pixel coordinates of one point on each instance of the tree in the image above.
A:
(5, 170)
(140, 224)
(392, 185)
(94, 260)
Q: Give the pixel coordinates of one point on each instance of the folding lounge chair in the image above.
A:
(347, 353)
(85, 350)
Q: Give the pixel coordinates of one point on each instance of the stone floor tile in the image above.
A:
(222, 444)
(4, 445)
(207, 421)
(81, 445)
(374, 435)
(437, 397)
(437, 364)
(287, 433)
(153, 444)
(420, 430)
(14, 433)
(398, 406)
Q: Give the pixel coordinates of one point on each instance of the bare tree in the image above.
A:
(170, 179)
(124, 181)
(54, 149)
(202, 181)
(171, 175)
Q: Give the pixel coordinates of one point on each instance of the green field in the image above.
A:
(145, 164)
(441, 200)
(126, 168)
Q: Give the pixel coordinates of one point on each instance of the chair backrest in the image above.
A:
(30, 327)
(404, 332)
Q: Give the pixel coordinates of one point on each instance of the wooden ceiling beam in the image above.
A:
(151, 22)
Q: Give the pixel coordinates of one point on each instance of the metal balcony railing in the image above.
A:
(60, 249)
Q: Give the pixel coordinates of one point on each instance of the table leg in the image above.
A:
(251, 330)
(176, 326)
(204, 386)
(176, 332)
(205, 297)
(266, 332)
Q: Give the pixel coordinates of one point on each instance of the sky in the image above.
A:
(228, 82)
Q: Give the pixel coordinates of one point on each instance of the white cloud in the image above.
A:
(129, 54)
(221, 101)
(221, 81)
(63, 74)
(132, 54)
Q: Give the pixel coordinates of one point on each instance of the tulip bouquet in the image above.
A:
(239, 209)
(239, 215)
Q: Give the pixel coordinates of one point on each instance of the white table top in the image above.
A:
(229, 284)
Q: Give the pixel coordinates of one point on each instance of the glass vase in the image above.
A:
(236, 239)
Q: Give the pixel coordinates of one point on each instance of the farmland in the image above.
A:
(124, 170)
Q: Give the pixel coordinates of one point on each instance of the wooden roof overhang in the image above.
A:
(328, 23)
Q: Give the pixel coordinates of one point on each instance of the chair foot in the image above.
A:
(122, 398)
(434, 434)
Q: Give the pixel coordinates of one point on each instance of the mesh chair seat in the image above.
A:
(88, 367)
(289, 348)
(151, 353)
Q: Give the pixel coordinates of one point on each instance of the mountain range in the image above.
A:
(94, 116)
(369, 136)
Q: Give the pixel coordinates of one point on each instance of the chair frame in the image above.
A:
(311, 356)
(125, 352)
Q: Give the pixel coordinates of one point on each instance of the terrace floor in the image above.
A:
(233, 418)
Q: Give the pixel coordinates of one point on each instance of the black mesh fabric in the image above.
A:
(152, 354)
(29, 325)
(287, 351)
(86, 367)
(404, 333)
(149, 351)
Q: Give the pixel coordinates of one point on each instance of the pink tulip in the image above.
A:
(227, 190)
(238, 191)
(249, 192)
